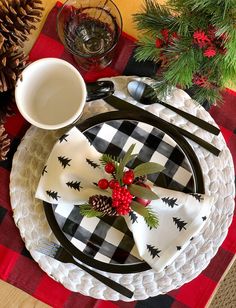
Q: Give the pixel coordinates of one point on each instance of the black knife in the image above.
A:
(120, 104)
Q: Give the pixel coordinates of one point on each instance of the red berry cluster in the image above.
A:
(121, 197)
(166, 38)
(209, 42)
(200, 38)
(201, 81)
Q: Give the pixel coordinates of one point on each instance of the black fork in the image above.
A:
(59, 253)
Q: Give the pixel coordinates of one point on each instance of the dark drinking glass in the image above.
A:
(90, 30)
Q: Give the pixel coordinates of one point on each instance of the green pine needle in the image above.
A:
(151, 219)
(183, 59)
(88, 211)
(148, 214)
(107, 158)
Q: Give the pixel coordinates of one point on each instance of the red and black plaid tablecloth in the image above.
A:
(16, 265)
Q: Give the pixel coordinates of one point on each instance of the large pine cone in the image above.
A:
(12, 63)
(17, 19)
(102, 204)
(4, 143)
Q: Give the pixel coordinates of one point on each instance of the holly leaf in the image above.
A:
(88, 211)
(147, 168)
(142, 192)
(139, 208)
(124, 161)
(148, 214)
(128, 155)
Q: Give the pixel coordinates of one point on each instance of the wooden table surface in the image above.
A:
(11, 296)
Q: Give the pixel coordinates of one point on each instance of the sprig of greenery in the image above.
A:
(148, 214)
(151, 219)
(150, 52)
(181, 60)
(88, 211)
(107, 158)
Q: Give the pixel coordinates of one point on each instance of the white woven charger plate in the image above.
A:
(219, 182)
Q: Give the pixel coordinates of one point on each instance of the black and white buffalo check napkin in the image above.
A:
(69, 176)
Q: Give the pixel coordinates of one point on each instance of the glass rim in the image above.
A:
(82, 55)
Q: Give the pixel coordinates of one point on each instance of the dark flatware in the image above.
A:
(59, 253)
(123, 105)
(145, 94)
(99, 89)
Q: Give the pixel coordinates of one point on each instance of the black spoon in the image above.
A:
(145, 94)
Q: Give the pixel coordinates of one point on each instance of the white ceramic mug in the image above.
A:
(51, 93)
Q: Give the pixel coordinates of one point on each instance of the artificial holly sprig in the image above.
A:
(128, 190)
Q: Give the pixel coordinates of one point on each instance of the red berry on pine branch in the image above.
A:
(211, 32)
(159, 42)
(201, 39)
(165, 34)
(110, 167)
(200, 81)
(174, 36)
(128, 177)
(222, 50)
(103, 183)
(209, 52)
(224, 37)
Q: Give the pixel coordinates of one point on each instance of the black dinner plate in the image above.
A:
(106, 243)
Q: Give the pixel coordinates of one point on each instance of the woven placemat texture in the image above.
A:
(29, 217)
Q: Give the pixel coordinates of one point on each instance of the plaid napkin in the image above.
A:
(69, 178)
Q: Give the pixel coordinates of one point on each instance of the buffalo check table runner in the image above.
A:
(68, 180)
(17, 266)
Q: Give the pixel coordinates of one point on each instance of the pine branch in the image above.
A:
(88, 211)
(212, 95)
(161, 86)
(154, 18)
(148, 214)
(151, 219)
(107, 158)
(184, 61)
(147, 50)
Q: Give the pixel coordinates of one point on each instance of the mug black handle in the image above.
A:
(99, 89)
